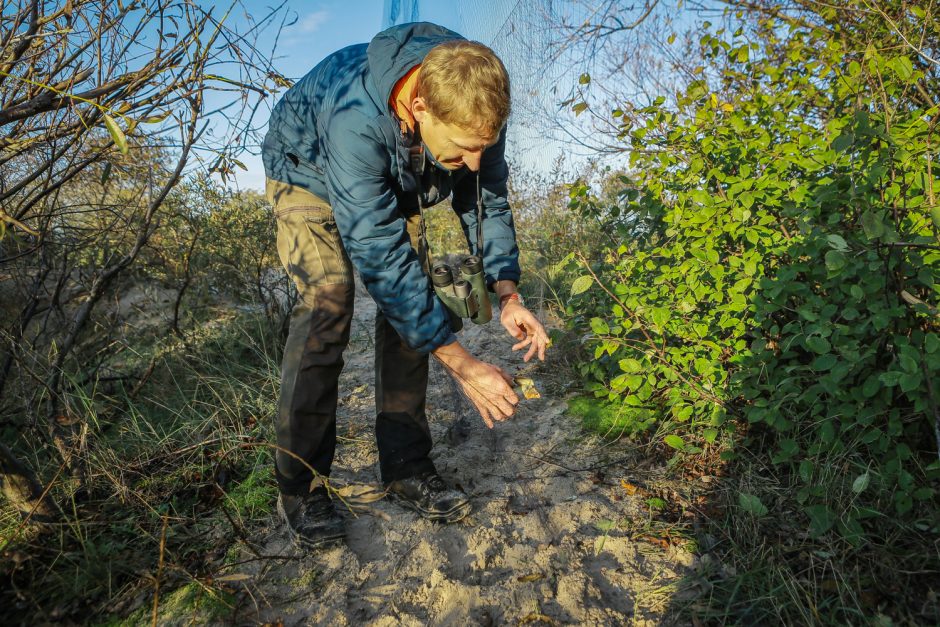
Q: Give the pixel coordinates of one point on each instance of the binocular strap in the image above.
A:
(416, 154)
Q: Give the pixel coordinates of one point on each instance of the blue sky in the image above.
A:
(322, 27)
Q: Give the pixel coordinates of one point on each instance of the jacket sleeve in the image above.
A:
(500, 252)
(375, 236)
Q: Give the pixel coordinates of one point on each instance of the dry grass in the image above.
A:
(176, 454)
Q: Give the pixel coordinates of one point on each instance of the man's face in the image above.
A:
(452, 146)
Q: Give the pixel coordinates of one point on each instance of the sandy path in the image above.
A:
(533, 549)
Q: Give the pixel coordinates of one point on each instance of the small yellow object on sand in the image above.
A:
(527, 386)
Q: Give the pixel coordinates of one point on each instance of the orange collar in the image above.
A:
(402, 96)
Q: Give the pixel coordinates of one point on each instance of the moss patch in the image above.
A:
(609, 419)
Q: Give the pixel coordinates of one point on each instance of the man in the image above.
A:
(419, 112)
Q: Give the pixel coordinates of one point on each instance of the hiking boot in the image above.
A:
(311, 519)
(428, 495)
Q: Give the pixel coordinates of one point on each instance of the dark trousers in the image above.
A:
(312, 253)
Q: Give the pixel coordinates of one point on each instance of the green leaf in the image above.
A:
(751, 504)
(630, 365)
(843, 141)
(837, 242)
(660, 316)
(116, 133)
(632, 382)
(747, 199)
(903, 502)
(908, 359)
(871, 386)
(806, 470)
(106, 172)
(599, 326)
(861, 482)
(579, 108)
(910, 381)
(156, 119)
(851, 530)
(890, 378)
(835, 260)
(584, 79)
(581, 284)
(820, 519)
(932, 343)
(674, 441)
(902, 66)
(873, 225)
(818, 344)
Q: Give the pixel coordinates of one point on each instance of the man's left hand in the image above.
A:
(523, 325)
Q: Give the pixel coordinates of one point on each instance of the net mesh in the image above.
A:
(526, 37)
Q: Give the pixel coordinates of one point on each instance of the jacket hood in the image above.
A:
(396, 50)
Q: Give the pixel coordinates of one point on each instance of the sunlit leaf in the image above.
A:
(155, 119)
(116, 133)
(861, 482)
(527, 386)
(581, 284)
(674, 441)
(628, 487)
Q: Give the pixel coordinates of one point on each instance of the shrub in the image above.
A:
(786, 268)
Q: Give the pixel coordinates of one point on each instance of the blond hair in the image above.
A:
(464, 83)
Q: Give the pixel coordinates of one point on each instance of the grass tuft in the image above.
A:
(186, 445)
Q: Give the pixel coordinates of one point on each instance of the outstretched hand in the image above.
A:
(488, 387)
(523, 325)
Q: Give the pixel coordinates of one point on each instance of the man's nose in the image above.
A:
(472, 160)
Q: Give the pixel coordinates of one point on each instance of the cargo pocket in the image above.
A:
(311, 250)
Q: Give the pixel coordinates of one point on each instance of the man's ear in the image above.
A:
(419, 109)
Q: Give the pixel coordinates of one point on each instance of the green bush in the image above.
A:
(786, 270)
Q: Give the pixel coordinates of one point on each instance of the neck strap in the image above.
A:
(417, 158)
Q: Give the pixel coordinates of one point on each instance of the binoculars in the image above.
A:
(463, 292)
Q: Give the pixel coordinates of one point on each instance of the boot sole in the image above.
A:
(302, 542)
(451, 516)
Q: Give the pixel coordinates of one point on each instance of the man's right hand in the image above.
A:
(488, 387)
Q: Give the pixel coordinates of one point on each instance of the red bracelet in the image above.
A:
(514, 296)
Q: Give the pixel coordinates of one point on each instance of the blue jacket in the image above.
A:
(333, 134)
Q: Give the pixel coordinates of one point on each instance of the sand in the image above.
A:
(551, 538)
